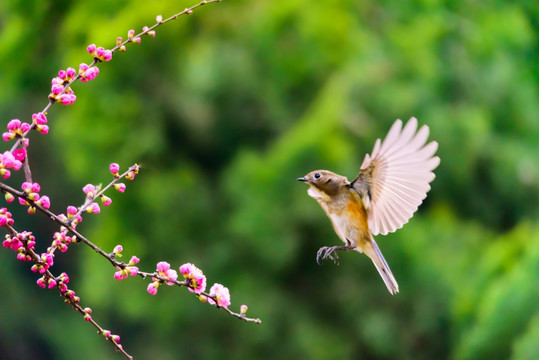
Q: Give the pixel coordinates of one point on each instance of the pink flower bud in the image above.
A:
(62, 74)
(41, 282)
(25, 127)
(120, 187)
(151, 33)
(93, 208)
(134, 260)
(8, 136)
(67, 99)
(106, 200)
(71, 72)
(130, 34)
(118, 249)
(89, 189)
(152, 288)
(114, 168)
(57, 89)
(159, 19)
(44, 129)
(9, 198)
(91, 48)
(14, 124)
(19, 154)
(39, 118)
(71, 210)
(45, 202)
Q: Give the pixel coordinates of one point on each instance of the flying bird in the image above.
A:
(391, 184)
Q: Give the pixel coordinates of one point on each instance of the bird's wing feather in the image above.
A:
(396, 176)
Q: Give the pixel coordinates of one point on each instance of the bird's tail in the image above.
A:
(381, 265)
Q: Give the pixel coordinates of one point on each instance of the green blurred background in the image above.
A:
(224, 110)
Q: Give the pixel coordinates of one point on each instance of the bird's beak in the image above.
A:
(304, 179)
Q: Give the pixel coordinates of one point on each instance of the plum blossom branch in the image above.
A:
(61, 87)
(24, 243)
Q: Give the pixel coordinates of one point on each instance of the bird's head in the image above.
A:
(325, 182)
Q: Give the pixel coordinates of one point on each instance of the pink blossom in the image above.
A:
(19, 154)
(14, 124)
(152, 287)
(108, 55)
(194, 276)
(39, 118)
(134, 260)
(56, 89)
(52, 283)
(163, 270)
(91, 48)
(106, 200)
(45, 202)
(25, 127)
(44, 129)
(35, 187)
(120, 274)
(7, 160)
(114, 168)
(120, 187)
(221, 295)
(67, 99)
(71, 72)
(5, 173)
(93, 208)
(64, 278)
(89, 190)
(9, 197)
(117, 250)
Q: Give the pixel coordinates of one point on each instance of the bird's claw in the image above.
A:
(327, 252)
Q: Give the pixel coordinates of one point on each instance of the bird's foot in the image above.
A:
(330, 252)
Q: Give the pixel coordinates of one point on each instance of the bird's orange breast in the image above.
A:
(350, 219)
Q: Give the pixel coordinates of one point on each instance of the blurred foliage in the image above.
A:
(224, 110)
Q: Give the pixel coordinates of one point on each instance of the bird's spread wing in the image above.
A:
(395, 179)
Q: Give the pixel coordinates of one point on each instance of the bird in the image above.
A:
(390, 186)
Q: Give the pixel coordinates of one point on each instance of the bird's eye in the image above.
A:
(317, 176)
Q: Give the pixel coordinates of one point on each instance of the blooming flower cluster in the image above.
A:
(62, 239)
(32, 191)
(99, 53)
(9, 160)
(91, 191)
(130, 269)
(18, 242)
(60, 90)
(196, 281)
(87, 73)
(164, 271)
